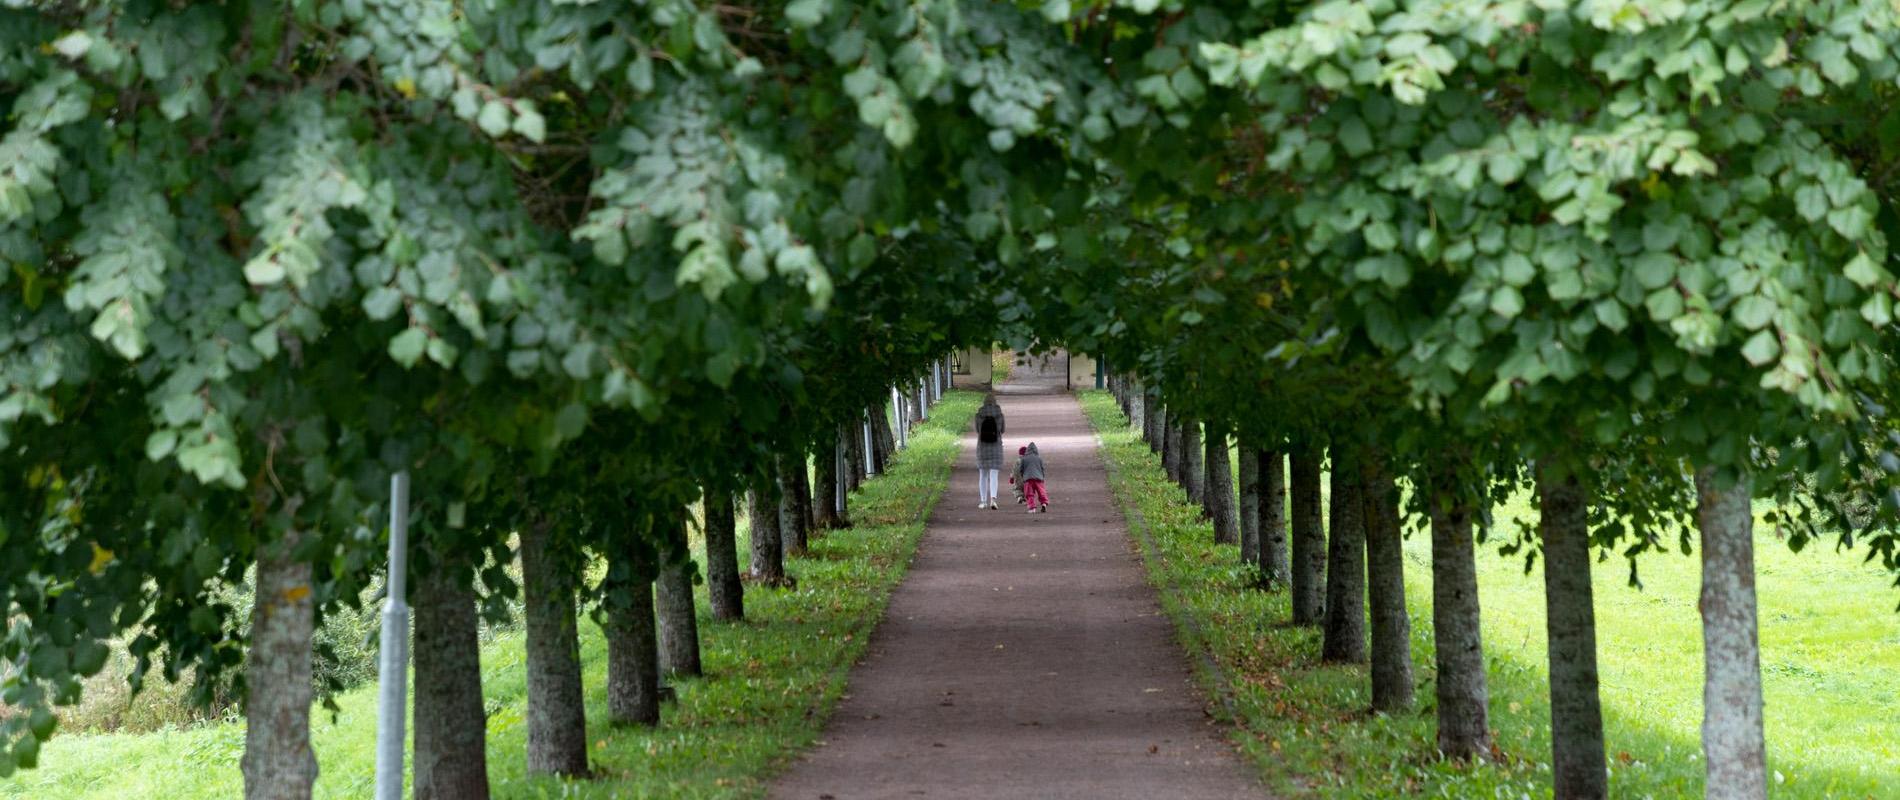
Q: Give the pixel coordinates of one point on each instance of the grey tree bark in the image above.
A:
(1345, 639)
(633, 657)
(794, 508)
(1153, 428)
(1732, 744)
(1219, 488)
(1171, 451)
(1385, 583)
(278, 763)
(824, 495)
(451, 725)
(1309, 538)
(725, 593)
(768, 554)
(1464, 716)
(1274, 562)
(1576, 712)
(679, 620)
(882, 439)
(1194, 464)
(557, 724)
(852, 433)
(1137, 406)
(848, 474)
(1248, 467)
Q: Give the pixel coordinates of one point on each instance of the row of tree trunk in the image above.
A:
(1339, 580)
(648, 616)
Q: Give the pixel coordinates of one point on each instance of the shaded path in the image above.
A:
(1024, 655)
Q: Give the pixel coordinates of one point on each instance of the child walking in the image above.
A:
(1016, 478)
(1029, 468)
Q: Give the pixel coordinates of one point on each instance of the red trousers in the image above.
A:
(1035, 494)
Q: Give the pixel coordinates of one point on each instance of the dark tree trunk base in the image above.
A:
(278, 763)
(451, 725)
(1576, 712)
(1385, 581)
(557, 723)
(1309, 538)
(724, 594)
(1345, 640)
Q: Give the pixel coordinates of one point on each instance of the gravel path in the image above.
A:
(1025, 654)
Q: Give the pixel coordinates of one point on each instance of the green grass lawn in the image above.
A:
(1830, 664)
(771, 681)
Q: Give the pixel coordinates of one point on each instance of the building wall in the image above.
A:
(977, 361)
(1081, 371)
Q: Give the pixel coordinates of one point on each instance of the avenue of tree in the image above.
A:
(579, 265)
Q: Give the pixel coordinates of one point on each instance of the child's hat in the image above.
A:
(1022, 451)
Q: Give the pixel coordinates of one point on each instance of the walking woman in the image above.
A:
(989, 451)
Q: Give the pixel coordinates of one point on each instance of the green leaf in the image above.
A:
(382, 302)
(160, 443)
(1862, 271)
(1507, 302)
(1761, 348)
(529, 123)
(571, 421)
(406, 347)
(1655, 270)
(1504, 168)
(1754, 311)
(1518, 270)
(493, 119)
(1811, 202)
(806, 13)
(264, 270)
(1664, 304)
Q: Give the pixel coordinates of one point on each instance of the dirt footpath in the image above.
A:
(1025, 655)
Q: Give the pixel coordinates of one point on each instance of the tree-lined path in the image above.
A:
(1025, 655)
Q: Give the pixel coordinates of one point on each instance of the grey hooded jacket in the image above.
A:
(1029, 467)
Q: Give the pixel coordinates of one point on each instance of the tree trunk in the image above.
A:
(1137, 407)
(557, 724)
(1464, 726)
(451, 723)
(847, 474)
(1249, 503)
(794, 506)
(1193, 465)
(1576, 713)
(1309, 538)
(1385, 582)
(854, 456)
(768, 557)
(1345, 566)
(1151, 423)
(824, 501)
(633, 656)
(1171, 451)
(1272, 515)
(724, 592)
(1732, 744)
(278, 763)
(679, 621)
(1220, 488)
(882, 440)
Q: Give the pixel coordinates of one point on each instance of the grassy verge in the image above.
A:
(1830, 658)
(771, 681)
(1001, 362)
